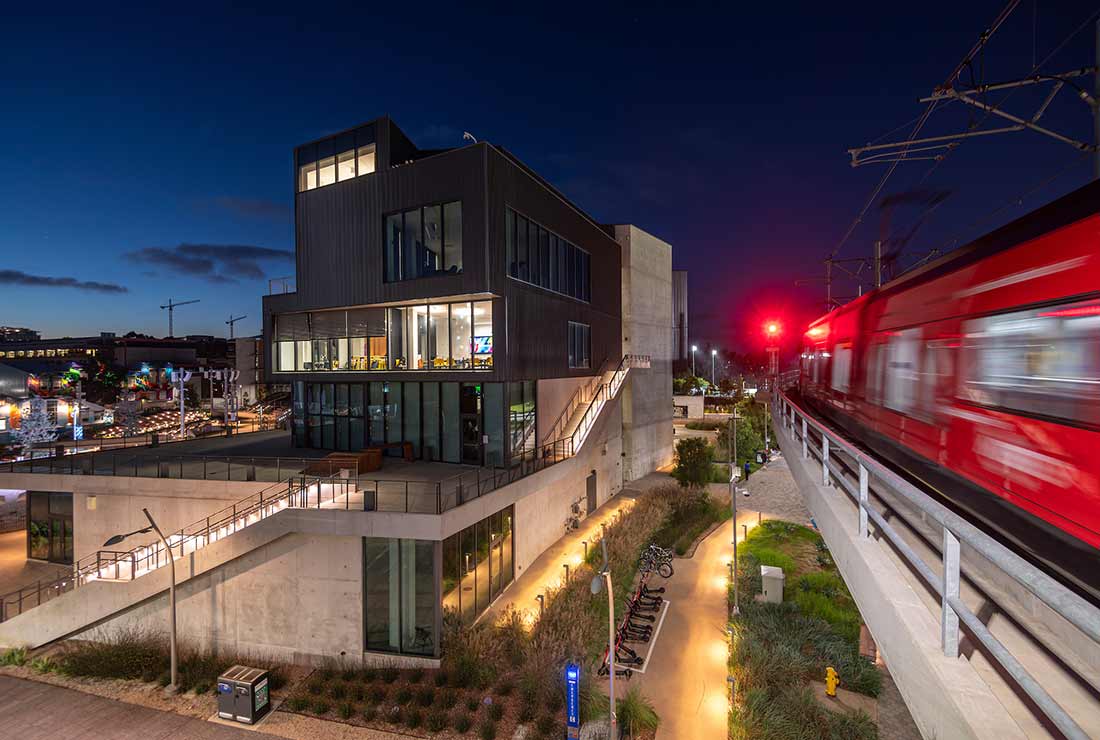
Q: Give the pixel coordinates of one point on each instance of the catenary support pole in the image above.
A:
(731, 449)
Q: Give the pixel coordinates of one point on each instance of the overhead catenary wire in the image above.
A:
(922, 119)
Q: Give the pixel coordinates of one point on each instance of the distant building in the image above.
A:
(680, 314)
(17, 334)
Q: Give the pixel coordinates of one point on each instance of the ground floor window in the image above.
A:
(450, 422)
(477, 564)
(50, 526)
(399, 607)
(522, 420)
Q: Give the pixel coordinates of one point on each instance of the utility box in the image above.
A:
(772, 579)
(244, 694)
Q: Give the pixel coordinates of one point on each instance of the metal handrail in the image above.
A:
(1064, 602)
(583, 395)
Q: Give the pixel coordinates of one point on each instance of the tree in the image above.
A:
(128, 417)
(694, 457)
(34, 427)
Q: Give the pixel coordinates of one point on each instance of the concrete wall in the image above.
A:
(107, 505)
(694, 404)
(647, 330)
(298, 598)
(551, 396)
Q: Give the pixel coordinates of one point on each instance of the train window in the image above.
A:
(1043, 361)
(874, 373)
(902, 377)
(842, 367)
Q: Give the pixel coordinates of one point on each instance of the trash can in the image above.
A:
(772, 579)
(760, 458)
(243, 694)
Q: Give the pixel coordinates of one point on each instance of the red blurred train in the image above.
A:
(979, 375)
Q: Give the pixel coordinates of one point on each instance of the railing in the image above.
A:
(188, 467)
(584, 395)
(113, 565)
(868, 474)
(604, 393)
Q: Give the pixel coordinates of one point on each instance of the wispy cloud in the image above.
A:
(215, 263)
(18, 277)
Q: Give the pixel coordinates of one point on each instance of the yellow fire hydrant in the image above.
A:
(831, 681)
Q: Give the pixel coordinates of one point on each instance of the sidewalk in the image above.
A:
(31, 711)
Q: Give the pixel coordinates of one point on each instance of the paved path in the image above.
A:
(30, 710)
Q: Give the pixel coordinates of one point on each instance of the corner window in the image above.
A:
(579, 341)
(347, 165)
(537, 256)
(423, 242)
(326, 171)
(365, 159)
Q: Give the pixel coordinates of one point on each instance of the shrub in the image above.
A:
(404, 695)
(123, 654)
(389, 673)
(505, 687)
(346, 710)
(369, 674)
(425, 697)
(202, 687)
(416, 675)
(277, 678)
(316, 687)
(413, 718)
(370, 713)
(43, 664)
(164, 678)
(554, 701)
(358, 692)
(448, 698)
(487, 730)
(496, 712)
(298, 703)
(636, 713)
(546, 725)
(15, 656)
(320, 706)
(693, 460)
(326, 674)
(394, 715)
(338, 690)
(348, 674)
(463, 723)
(377, 695)
(436, 721)
(526, 713)
(440, 679)
(472, 704)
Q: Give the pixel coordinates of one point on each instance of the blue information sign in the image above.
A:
(573, 700)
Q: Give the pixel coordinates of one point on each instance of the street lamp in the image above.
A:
(171, 688)
(694, 349)
(713, 354)
(604, 575)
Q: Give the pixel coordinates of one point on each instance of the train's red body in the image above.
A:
(985, 364)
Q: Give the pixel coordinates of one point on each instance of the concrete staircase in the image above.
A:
(108, 582)
(610, 383)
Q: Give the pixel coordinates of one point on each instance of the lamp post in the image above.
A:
(732, 450)
(173, 684)
(693, 350)
(604, 576)
(713, 354)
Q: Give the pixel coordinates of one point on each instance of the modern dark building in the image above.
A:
(434, 290)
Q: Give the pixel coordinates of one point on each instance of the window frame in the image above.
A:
(561, 267)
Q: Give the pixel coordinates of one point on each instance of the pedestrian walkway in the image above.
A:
(16, 571)
(37, 711)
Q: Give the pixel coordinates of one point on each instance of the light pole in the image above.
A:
(713, 354)
(693, 351)
(732, 451)
(604, 576)
(171, 688)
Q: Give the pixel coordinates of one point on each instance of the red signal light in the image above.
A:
(772, 329)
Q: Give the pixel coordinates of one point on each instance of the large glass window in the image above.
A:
(345, 165)
(412, 416)
(431, 421)
(494, 424)
(307, 176)
(394, 431)
(452, 237)
(422, 242)
(483, 334)
(460, 335)
(365, 158)
(399, 590)
(326, 171)
(579, 345)
(477, 565)
(538, 256)
(439, 344)
(348, 164)
(450, 424)
(522, 419)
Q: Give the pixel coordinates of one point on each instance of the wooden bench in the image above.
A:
(365, 461)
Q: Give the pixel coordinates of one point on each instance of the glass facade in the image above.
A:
(579, 345)
(399, 595)
(436, 336)
(348, 164)
(477, 564)
(50, 526)
(540, 257)
(421, 242)
(522, 421)
(442, 421)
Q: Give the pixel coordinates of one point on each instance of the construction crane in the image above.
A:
(172, 307)
(233, 320)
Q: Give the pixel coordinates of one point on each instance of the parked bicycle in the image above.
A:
(656, 560)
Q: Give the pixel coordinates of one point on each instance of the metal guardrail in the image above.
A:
(801, 427)
(114, 565)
